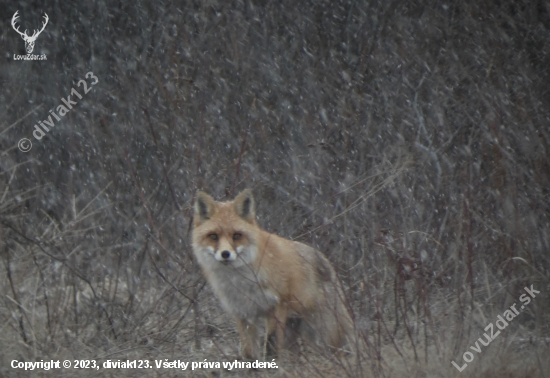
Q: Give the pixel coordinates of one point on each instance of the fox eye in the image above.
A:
(213, 237)
(237, 236)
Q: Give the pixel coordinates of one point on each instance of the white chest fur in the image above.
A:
(241, 292)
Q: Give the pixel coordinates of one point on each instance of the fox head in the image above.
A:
(225, 232)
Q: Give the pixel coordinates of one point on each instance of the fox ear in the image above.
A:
(244, 206)
(204, 207)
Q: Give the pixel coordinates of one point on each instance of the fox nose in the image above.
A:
(226, 255)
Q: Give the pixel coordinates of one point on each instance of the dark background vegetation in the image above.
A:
(407, 140)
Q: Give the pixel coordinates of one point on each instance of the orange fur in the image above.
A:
(260, 276)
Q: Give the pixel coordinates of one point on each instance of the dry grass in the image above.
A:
(408, 141)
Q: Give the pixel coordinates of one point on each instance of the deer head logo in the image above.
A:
(29, 40)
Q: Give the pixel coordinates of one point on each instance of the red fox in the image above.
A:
(259, 277)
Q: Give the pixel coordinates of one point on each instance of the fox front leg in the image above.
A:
(249, 339)
(275, 332)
